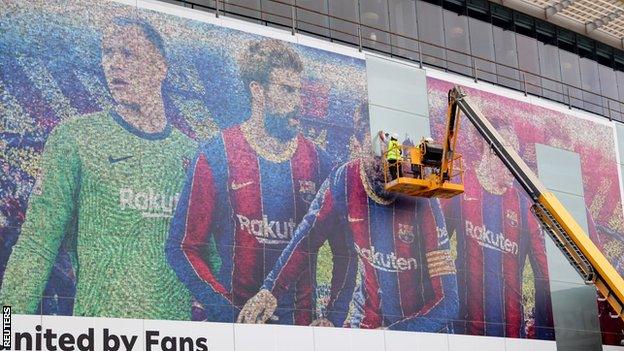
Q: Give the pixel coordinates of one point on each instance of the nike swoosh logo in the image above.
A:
(241, 185)
(112, 160)
(353, 220)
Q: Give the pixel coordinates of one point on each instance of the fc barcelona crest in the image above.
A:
(512, 217)
(406, 233)
(307, 190)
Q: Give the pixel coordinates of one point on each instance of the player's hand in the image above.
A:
(321, 322)
(259, 308)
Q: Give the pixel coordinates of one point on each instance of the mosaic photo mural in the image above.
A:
(156, 167)
(111, 113)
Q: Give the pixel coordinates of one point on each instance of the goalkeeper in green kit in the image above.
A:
(111, 180)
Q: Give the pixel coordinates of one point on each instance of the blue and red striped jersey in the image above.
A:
(247, 202)
(495, 234)
(408, 276)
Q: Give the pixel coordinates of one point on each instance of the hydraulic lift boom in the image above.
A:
(575, 244)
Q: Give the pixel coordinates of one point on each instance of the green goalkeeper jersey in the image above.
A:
(115, 188)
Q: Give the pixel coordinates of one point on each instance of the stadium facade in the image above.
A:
(169, 173)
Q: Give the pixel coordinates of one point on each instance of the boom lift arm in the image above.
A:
(584, 256)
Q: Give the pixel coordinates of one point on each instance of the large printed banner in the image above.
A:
(156, 167)
(161, 168)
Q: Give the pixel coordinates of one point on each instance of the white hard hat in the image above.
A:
(429, 140)
(395, 136)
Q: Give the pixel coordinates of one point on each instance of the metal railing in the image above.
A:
(406, 167)
(523, 80)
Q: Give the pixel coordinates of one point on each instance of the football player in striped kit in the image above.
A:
(246, 190)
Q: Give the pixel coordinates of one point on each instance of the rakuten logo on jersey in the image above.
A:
(267, 232)
(150, 203)
(490, 240)
(386, 262)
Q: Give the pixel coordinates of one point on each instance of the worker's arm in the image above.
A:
(382, 137)
(443, 306)
(50, 214)
(384, 142)
(189, 235)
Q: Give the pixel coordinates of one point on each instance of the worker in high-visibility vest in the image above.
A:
(393, 156)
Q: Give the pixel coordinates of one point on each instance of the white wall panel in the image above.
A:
(469, 342)
(253, 337)
(290, 338)
(332, 339)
